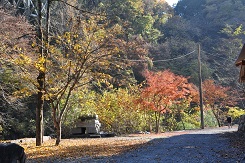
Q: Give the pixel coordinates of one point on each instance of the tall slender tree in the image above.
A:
(42, 29)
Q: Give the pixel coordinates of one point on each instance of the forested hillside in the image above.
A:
(132, 62)
(219, 26)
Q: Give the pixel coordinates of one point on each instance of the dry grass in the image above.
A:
(92, 147)
(80, 148)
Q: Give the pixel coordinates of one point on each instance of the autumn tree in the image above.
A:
(32, 68)
(15, 37)
(163, 89)
(78, 57)
(118, 111)
(184, 113)
(217, 97)
(42, 37)
(86, 52)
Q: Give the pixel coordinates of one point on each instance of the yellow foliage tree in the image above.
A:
(77, 58)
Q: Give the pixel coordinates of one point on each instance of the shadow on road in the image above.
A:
(200, 147)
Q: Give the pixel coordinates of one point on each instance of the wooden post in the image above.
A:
(200, 87)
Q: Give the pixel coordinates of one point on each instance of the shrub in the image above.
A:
(235, 113)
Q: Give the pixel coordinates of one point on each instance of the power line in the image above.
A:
(218, 56)
(230, 60)
(174, 58)
(217, 68)
(165, 60)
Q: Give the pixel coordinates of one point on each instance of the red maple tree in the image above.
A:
(217, 97)
(162, 91)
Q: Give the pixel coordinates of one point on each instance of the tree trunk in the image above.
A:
(39, 111)
(40, 80)
(217, 117)
(58, 132)
(181, 119)
(183, 124)
(41, 77)
(157, 118)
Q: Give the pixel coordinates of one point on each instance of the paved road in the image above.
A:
(199, 146)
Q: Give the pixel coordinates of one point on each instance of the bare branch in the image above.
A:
(84, 11)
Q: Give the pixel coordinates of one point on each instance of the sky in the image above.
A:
(171, 2)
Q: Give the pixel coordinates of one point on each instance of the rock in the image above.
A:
(11, 152)
(241, 127)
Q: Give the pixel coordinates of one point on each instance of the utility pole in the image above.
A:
(200, 86)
